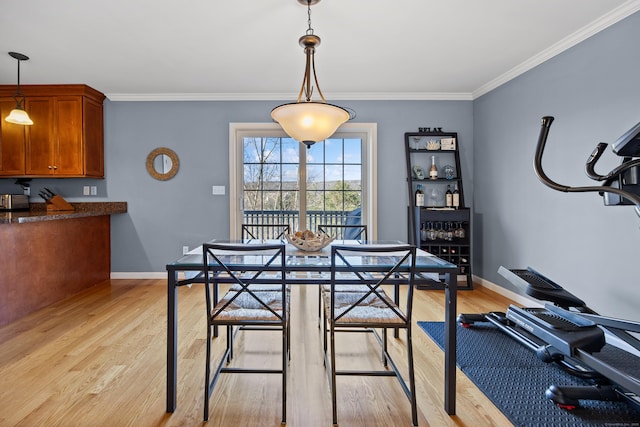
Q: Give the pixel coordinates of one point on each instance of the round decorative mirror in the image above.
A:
(163, 163)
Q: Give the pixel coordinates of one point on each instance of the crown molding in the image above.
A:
(607, 20)
(381, 96)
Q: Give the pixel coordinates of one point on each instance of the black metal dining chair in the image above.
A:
(264, 231)
(258, 299)
(340, 232)
(370, 267)
(344, 231)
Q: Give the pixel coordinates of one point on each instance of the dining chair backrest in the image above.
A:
(345, 231)
(256, 273)
(371, 266)
(265, 231)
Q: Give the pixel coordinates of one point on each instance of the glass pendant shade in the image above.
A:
(310, 122)
(19, 117)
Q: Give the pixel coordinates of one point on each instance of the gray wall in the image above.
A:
(166, 215)
(594, 93)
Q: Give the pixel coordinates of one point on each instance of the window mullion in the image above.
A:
(302, 176)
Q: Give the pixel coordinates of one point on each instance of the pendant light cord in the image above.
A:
(309, 30)
(18, 94)
(310, 66)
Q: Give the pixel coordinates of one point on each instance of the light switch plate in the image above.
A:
(218, 190)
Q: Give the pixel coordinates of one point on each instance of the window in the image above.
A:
(275, 179)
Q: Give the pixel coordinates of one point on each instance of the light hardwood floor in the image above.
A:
(98, 359)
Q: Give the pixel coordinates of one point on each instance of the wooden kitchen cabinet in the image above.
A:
(66, 139)
(12, 142)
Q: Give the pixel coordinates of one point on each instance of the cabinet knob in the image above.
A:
(55, 167)
(49, 167)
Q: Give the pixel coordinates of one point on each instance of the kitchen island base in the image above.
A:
(45, 262)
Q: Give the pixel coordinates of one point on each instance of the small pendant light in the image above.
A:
(18, 115)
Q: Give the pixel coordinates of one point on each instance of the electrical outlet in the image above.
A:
(86, 190)
(94, 190)
(185, 250)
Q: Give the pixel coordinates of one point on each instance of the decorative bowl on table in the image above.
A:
(309, 241)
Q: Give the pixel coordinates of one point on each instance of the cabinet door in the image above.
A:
(93, 138)
(39, 136)
(67, 146)
(12, 142)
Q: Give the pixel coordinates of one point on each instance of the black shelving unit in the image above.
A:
(436, 228)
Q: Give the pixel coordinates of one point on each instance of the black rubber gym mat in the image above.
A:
(515, 380)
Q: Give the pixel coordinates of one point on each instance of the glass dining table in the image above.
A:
(313, 268)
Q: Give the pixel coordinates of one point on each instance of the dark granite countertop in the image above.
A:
(38, 212)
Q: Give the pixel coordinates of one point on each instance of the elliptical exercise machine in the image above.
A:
(571, 335)
(567, 332)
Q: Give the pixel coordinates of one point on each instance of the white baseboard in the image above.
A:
(520, 299)
(138, 275)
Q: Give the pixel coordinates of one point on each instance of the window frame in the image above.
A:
(366, 131)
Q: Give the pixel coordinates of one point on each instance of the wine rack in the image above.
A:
(427, 223)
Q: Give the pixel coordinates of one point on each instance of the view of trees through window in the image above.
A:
(287, 182)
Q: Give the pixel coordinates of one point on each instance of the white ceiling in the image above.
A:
(210, 49)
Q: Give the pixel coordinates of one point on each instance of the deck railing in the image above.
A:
(314, 218)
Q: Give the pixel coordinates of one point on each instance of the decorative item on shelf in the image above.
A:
(433, 172)
(432, 234)
(436, 198)
(456, 196)
(305, 120)
(55, 202)
(419, 196)
(418, 171)
(424, 233)
(424, 130)
(433, 144)
(449, 234)
(309, 241)
(416, 142)
(448, 144)
(449, 171)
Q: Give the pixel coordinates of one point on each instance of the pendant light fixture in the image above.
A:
(305, 120)
(18, 115)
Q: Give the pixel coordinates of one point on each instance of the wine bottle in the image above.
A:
(433, 172)
(455, 199)
(449, 197)
(419, 196)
